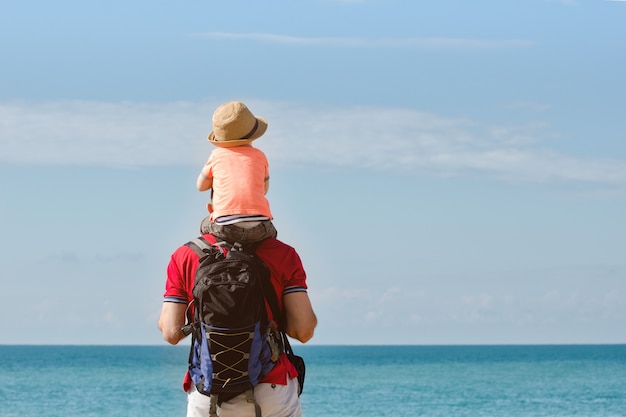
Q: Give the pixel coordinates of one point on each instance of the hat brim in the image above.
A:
(260, 131)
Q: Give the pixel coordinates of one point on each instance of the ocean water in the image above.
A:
(451, 381)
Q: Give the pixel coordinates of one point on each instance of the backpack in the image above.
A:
(233, 346)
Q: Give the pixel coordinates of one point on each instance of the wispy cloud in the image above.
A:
(100, 133)
(376, 138)
(355, 42)
(439, 306)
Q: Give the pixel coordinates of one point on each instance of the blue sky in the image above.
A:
(450, 172)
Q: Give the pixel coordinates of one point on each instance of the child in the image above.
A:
(238, 177)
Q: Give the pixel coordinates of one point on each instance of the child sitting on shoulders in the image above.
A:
(238, 176)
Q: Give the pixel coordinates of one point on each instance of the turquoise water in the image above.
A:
(507, 381)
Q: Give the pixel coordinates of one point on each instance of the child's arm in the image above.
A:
(204, 182)
(267, 184)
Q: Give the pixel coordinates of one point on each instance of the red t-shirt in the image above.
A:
(286, 275)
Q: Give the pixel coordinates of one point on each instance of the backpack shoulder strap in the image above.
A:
(270, 297)
(272, 300)
(198, 245)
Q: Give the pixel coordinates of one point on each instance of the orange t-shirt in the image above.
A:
(239, 174)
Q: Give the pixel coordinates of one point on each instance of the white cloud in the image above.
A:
(355, 42)
(99, 133)
(381, 139)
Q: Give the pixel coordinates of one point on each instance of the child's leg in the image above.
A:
(262, 231)
(243, 232)
(227, 232)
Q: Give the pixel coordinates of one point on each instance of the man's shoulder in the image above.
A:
(275, 244)
(276, 251)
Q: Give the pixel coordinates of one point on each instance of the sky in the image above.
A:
(450, 172)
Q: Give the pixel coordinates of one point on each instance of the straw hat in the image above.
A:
(235, 125)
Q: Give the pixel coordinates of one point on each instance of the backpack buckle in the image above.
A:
(187, 329)
(273, 339)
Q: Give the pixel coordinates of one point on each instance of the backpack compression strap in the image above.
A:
(270, 297)
(200, 246)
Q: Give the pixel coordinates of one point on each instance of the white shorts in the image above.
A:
(275, 401)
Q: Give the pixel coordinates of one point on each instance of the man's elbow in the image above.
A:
(304, 337)
(304, 333)
(172, 337)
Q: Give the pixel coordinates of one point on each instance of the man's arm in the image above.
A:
(171, 321)
(299, 316)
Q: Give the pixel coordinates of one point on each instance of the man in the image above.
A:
(277, 392)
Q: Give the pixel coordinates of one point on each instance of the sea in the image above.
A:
(342, 381)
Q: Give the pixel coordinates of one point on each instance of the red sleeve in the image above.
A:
(181, 271)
